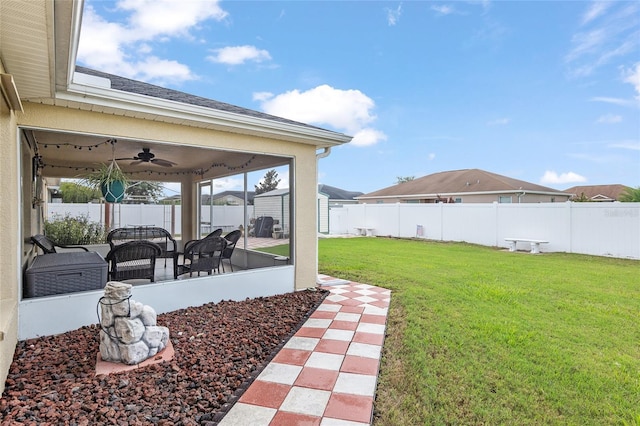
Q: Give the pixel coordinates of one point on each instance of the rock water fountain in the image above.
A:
(129, 333)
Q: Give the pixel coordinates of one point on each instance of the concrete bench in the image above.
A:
(535, 244)
(365, 230)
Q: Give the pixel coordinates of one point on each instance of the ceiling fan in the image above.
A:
(146, 156)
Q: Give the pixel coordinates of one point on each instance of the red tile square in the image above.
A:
(332, 346)
(283, 418)
(265, 394)
(352, 309)
(351, 302)
(323, 314)
(370, 338)
(360, 365)
(373, 319)
(310, 332)
(292, 356)
(344, 325)
(350, 294)
(355, 408)
(317, 378)
(380, 304)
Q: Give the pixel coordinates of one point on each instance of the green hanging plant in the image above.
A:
(110, 180)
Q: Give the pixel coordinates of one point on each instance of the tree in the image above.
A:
(73, 192)
(404, 179)
(581, 198)
(268, 183)
(151, 191)
(630, 195)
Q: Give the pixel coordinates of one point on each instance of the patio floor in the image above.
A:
(326, 374)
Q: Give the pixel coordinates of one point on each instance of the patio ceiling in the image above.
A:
(72, 155)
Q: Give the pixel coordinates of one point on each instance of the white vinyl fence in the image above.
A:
(164, 216)
(602, 229)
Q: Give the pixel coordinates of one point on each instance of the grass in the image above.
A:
(478, 335)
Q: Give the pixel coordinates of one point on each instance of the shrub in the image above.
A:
(74, 230)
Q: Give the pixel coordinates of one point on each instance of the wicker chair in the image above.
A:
(49, 247)
(216, 233)
(232, 238)
(133, 260)
(203, 255)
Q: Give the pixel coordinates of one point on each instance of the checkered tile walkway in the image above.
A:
(326, 374)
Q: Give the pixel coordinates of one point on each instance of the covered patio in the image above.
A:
(62, 121)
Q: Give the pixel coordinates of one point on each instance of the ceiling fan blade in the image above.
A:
(163, 163)
(126, 158)
(135, 163)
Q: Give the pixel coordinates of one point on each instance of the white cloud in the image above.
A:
(611, 33)
(595, 10)
(551, 177)
(393, 15)
(236, 55)
(443, 10)
(367, 137)
(632, 145)
(632, 76)
(609, 119)
(126, 49)
(499, 122)
(431, 156)
(615, 101)
(349, 111)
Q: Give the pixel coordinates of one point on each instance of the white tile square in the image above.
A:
(329, 307)
(355, 384)
(280, 373)
(336, 334)
(247, 414)
(365, 299)
(302, 343)
(366, 327)
(317, 323)
(365, 286)
(374, 310)
(338, 290)
(325, 361)
(364, 349)
(336, 298)
(365, 292)
(346, 316)
(305, 401)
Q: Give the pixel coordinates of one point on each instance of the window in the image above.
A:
(505, 199)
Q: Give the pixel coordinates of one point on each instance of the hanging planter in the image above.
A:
(110, 180)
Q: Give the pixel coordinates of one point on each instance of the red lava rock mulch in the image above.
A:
(219, 350)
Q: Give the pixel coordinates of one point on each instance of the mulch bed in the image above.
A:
(219, 349)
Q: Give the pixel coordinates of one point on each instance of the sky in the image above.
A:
(543, 91)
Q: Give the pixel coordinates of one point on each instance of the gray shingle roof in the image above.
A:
(459, 181)
(142, 88)
(337, 193)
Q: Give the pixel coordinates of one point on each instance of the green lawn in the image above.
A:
(477, 335)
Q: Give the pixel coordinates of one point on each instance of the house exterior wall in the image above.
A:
(9, 221)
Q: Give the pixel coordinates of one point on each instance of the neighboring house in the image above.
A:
(337, 196)
(228, 198)
(601, 193)
(58, 120)
(465, 186)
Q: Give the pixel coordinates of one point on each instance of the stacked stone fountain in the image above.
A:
(129, 332)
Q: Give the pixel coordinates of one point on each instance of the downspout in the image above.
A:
(324, 154)
(520, 196)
